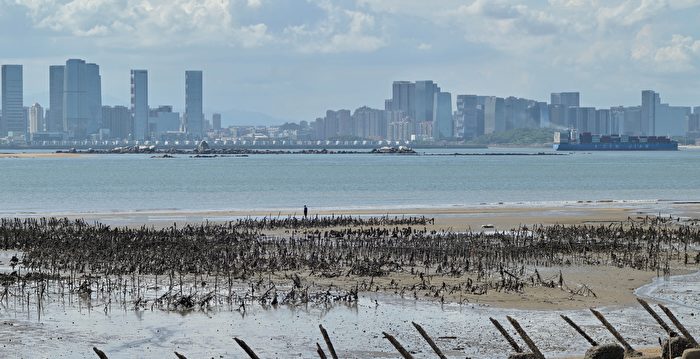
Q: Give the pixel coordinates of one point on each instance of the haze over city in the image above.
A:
(293, 60)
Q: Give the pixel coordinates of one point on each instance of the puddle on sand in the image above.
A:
(71, 332)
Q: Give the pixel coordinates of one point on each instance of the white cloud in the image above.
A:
(679, 55)
(254, 4)
(146, 23)
(341, 31)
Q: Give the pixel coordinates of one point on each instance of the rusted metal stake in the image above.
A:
(505, 334)
(654, 315)
(404, 353)
(99, 353)
(526, 338)
(580, 331)
(329, 344)
(613, 331)
(429, 340)
(320, 352)
(246, 348)
(678, 325)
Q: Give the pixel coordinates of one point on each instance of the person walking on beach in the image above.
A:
(306, 211)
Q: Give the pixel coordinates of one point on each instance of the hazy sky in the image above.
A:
(294, 59)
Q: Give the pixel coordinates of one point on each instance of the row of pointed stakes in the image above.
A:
(535, 352)
(629, 350)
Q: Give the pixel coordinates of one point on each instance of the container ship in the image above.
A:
(569, 141)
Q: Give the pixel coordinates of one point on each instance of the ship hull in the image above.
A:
(618, 146)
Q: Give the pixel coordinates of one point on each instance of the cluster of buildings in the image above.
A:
(421, 111)
(75, 111)
(417, 111)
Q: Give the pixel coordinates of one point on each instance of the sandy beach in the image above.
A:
(474, 218)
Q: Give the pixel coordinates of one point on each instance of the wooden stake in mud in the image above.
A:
(654, 315)
(246, 348)
(404, 353)
(526, 338)
(505, 334)
(327, 339)
(615, 333)
(580, 331)
(429, 340)
(320, 352)
(678, 325)
(99, 353)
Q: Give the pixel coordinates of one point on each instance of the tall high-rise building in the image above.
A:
(469, 110)
(216, 121)
(443, 125)
(94, 97)
(13, 118)
(139, 103)
(117, 120)
(54, 120)
(36, 119)
(82, 99)
(650, 100)
(424, 100)
(403, 97)
(194, 113)
(494, 115)
(603, 124)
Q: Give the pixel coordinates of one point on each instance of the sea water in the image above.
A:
(136, 183)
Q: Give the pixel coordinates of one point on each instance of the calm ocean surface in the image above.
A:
(127, 183)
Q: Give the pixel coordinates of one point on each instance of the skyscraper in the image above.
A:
(54, 122)
(216, 121)
(494, 115)
(650, 100)
(424, 100)
(36, 119)
(194, 113)
(403, 97)
(139, 103)
(468, 109)
(13, 119)
(94, 98)
(442, 115)
(117, 120)
(82, 99)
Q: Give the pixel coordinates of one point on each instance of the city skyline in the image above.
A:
(306, 57)
(416, 111)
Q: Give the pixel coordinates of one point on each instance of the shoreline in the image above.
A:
(501, 216)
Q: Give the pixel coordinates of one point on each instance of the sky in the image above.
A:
(294, 59)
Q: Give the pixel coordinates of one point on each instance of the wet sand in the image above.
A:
(476, 218)
(460, 326)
